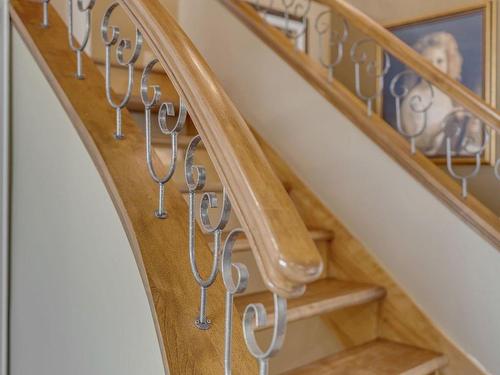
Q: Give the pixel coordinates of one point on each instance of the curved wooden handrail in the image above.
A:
(285, 253)
(411, 58)
(473, 212)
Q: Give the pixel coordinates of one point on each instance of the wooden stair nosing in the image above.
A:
(321, 297)
(378, 357)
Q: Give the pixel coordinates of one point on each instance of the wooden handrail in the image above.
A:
(473, 212)
(411, 58)
(284, 251)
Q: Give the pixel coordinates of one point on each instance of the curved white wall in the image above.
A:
(78, 304)
(448, 269)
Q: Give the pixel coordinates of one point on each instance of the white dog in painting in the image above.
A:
(441, 49)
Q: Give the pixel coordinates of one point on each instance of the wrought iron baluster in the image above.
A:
(299, 10)
(450, 130)
(254, 317)
(232, 288)
(87, 10)
(45, 13)
(360, 59)
(336, 41)
(125, 44)
(195, 179)
(166, 110)
(416, 105)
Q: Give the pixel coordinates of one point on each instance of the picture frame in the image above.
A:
(460, 28)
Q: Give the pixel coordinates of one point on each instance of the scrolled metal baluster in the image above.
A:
(166, 110)
(232, 288)
(335, 39)
(87, 10)
(299, 10)
(125, 44)
(254, 317)
(415, 105)
(195, 176)
(362, 59)
(45, 13)
(449, 152)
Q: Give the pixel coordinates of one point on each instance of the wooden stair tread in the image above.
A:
(379, 357)
(243, 245)
(321, 297)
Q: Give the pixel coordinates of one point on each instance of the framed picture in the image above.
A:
(294, 27)
(462, 44)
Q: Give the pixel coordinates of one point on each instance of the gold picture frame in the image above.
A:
(489, 15)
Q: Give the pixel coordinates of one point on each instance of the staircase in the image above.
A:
(326, 273)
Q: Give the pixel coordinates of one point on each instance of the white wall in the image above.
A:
(449, 270)
(78, 303)
(4, 183)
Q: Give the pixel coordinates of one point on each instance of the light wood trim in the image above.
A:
(377, 357)
(321, 297)
(159, 246)
(442, 14)
(316, 235)
(473, 212)
(413, 60)
(285, 254)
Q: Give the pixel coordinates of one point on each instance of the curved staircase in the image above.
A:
(302, 254)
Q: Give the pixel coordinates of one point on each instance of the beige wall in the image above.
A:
(78, 305)
(446, 267)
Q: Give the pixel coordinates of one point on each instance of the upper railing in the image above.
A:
(284, 251)
(462, 137)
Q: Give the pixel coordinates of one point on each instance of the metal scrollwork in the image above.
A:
(125, 44)
(45, 13)
(336, 40)
(166, 110)
(87, 10)
(255, 317)
(459, 134)
(195, 179)
(232, 288)
(403, 95)
(294, 8)
(360, 59)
